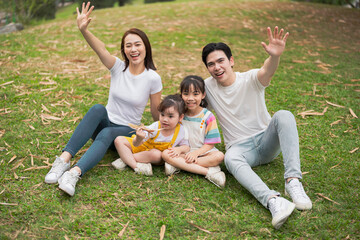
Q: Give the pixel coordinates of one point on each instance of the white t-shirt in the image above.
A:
(240, 107)
(181, 138)
(129, 94)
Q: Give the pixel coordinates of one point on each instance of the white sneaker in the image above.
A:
(119, 164)
(170, 169)
(57, 170)
(280, 209)
(68, 181)
(144, 168)
(296, 191)
(216, 176)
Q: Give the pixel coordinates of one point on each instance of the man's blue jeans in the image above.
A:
(280, 135)
(95, 125)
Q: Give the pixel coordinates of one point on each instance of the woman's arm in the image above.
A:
(155, 100)
(98, 46)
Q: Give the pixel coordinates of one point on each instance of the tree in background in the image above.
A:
(25, 10)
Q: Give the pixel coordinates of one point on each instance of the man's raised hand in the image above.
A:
(276, 44)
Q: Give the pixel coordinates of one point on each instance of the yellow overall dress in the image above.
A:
(151, 144)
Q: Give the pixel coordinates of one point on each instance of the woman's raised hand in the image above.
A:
(83, 19)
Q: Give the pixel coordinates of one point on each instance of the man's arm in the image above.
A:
(275, 48)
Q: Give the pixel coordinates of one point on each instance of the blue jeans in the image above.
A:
(95, 125)
(280, 135)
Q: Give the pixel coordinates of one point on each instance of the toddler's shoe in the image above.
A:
(119, 164)
(216, 176)
(170, 169)
(144, 168)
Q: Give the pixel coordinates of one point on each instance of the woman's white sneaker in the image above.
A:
(68, 181)
(57, 170)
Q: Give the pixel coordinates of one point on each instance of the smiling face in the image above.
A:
(220, 67)
(170, 118)
(134, 49)
(192, 98)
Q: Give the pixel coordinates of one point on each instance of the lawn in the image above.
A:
(49, 78)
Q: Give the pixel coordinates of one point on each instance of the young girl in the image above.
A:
(144, 148)
(200, 123)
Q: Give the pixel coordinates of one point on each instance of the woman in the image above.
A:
(133, 82)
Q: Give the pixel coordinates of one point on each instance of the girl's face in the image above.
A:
(192, 99)
(170, 118)
(134, 49)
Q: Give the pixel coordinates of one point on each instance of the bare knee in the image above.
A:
(165, 155)
(219, 157)
(120, 140)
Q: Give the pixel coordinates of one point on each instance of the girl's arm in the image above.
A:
(177, 151)
(98, 46)
(191, 157)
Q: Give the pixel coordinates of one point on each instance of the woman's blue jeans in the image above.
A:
(280, 135)
(95, 125)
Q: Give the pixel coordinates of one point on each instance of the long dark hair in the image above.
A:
(198, 84)
(148, 61)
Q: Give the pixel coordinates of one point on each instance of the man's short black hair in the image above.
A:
(211, 47)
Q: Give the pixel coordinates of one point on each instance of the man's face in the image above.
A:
(220, 67)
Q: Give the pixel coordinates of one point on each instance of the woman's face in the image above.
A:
(134, 49)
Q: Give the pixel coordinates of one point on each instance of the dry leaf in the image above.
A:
(334, 123)
(352, 113)
(189, 209)
(49, 117)
(321, 195)
(45, 108)
(48, 89)
(299, 61)
(12, 159)
(162, 232)
(7, 83)
(16, 176)
(312, 113)
(335, 105)
(36, 168)
(121, 233)
(8, 204)
(354, 150)
(49, 82)
(200, 228)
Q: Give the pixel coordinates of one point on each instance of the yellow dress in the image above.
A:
(151, 144)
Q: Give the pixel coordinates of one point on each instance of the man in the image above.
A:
(251, 135)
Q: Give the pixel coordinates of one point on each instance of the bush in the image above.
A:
(35, 9)
(98, 3)
(333, 2)
(154, 1)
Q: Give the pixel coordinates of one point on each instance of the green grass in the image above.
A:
(50, 70)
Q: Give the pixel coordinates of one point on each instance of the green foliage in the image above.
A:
(98, 4)
(333, 2)
(154, 1)
(27, 10)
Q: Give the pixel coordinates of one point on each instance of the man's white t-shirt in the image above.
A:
(240, 108)
(129, 94)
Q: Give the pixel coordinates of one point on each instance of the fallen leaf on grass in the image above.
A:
(335, 105)
(334, 123)
(18, 164)
(352, 113)
(45, 108)
(354, 150)
(36, 168)
(162, 232)
(7, 83)
(49, 117)
(8, 204)
(48, 89)
(16, 176)
(49, 82)
(312, 113)
(2, 132)
(121, 233)
(299, 61)
(200, 228)
(12, 159)
(189, 210)
(321, 195)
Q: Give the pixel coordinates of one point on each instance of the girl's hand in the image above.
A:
(191, 157)
(83, 19)
(174, 152)
(140, 133)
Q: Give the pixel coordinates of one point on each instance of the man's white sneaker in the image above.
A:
(280, 209)
(144, 168)
(119, 164)
(216, 176)
(57, 170)
(170, 169)
(296, 191)
(68, 181)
